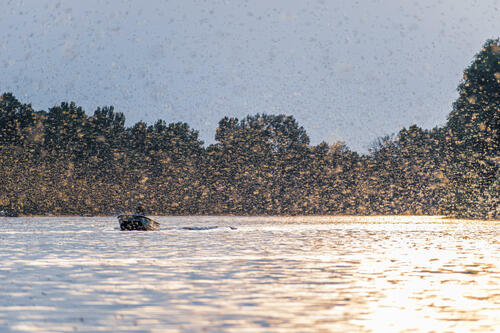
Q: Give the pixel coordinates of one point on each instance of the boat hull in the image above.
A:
(137, 222)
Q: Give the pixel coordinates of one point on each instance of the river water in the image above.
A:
(266, 274)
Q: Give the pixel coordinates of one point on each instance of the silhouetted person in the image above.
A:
(139, 210)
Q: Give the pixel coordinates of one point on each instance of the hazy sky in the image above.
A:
(346, 70)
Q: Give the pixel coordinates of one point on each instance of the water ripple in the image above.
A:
(270, 274)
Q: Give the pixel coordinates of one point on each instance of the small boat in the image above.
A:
(137, 222)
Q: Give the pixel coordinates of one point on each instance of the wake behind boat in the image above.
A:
(137, 222)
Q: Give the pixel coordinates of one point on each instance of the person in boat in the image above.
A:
(139, 210)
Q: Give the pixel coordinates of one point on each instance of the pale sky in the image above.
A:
(346, 70)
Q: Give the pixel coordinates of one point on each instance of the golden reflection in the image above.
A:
(271, 274)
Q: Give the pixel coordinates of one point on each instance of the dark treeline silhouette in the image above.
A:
(63, 161)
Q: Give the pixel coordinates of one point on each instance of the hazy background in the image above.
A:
(346, 70)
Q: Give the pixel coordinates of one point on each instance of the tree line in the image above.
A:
(63, 161)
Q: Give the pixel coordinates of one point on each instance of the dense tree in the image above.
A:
(257, 163)
(65, 130)
(104, 133)
(65, 162)
(16, 119)
(473, 134)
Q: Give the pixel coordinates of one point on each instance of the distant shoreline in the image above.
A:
(440, 217)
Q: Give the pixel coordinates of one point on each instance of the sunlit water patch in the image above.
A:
(263, 274)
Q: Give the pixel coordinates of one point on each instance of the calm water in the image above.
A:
(269, 275)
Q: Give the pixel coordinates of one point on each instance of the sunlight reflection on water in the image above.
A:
(271, 274)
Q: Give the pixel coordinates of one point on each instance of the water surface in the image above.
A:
(271, 274)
